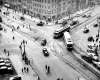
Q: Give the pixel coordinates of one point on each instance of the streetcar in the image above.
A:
(68, 40)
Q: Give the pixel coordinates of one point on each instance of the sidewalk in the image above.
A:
(17, 63)
(89, 66)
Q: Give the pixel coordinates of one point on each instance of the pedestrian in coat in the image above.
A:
(13, 37)
(58, 78)
(8, 53)
(46, 67)
(27, 69)
(24, 69)
(5, 51)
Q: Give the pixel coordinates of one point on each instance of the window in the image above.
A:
(48, 1)
(19, 0)
(64, 3)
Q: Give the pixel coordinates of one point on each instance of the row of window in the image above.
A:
(43, 11)
(41, 5)
(41, 1)
(46, 1)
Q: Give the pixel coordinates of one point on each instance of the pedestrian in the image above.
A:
(58, 78)
(20, 47)
(17, 27)
(8, 53)
(46, 67)
(22, 70)
(61, 79)
(38, 78)
(5, 51)
(23, 26)
(29, 62)
(13, 37)
(97, 39)
(21, 43)
(12, 30)
(27, 69)
(48, 70)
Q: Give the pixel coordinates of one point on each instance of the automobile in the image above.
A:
(87, 58)
(90, 51)
(10, 70)
(96, 64)
(95, 25)
(64, 22)
(43, 42)
(93, 56)
(7, 60)
(59, 21)
(86, 15)
(22, 18)
(1, 60)
(86, 30)
(3, 69)
(74, 23)
(8, 64)
(2, 64)
(40, 23)
(15, 78)
(45, 52)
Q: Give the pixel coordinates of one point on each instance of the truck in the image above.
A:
(68, 40)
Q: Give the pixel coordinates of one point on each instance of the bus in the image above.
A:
(68, 40)
(59, 32)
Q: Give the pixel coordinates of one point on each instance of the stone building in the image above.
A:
(48, 9)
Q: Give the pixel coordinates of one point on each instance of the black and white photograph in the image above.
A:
(49, 39)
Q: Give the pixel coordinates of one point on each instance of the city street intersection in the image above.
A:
(63, 64)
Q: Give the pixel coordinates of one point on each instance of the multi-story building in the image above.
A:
(48, 9)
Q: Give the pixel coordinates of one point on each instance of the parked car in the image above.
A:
(86, 30)
(7, 60)
(90, 51)
(87, 58)
(86, 15)
(22, 18)
(3, 69)
(43, 42)
(40, 23)
(15, 78)
(2, 64)
(1, 60)
(45, 52)
(96, 64)
(74, 23)
(93, 56)
(64, 22)
(95, 25)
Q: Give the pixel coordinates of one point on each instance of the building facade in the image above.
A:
(48, 9)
